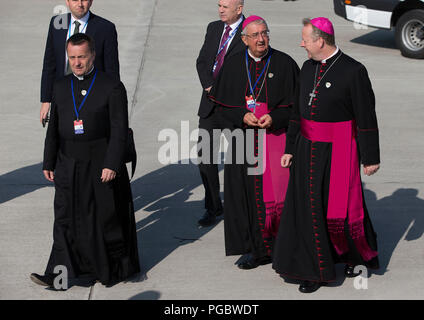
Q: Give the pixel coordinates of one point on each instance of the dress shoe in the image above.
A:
(45, 280)
(310, 286)
(252, 263)
(349, 271)
(207, 220)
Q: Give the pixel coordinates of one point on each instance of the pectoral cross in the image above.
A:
(312, 95)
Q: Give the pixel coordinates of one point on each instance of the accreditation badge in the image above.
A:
(250, 103)
(78, 127)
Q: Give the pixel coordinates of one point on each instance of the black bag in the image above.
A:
(131, 154)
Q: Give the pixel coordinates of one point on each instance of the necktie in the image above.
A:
(76, 30)
(220, 57)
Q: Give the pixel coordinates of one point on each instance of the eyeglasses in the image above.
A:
(264, 34)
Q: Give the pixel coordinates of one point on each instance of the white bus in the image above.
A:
(406, 16)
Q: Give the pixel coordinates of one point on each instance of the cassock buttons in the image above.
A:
(328, 85)
(83, 92)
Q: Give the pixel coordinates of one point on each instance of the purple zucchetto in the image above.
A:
(250, 19)
(323, 24)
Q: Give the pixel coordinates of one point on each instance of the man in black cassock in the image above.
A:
(254, 91)
(332, 129)
(94, 234)
(61, 27)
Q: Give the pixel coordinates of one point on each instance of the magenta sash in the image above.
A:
(345, 193)
(275, 178)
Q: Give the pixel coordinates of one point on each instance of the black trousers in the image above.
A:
(208, 165)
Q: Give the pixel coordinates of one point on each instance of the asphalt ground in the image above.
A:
(159, 41)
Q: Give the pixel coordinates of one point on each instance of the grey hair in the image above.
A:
(329, 39)
(244, 32)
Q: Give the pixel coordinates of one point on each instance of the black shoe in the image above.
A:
(252, 263)
(46, 280)
(349, 271)
(310, 286)
(207, 220)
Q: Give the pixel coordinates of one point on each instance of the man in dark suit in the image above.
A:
(222, 40)
(80, 20)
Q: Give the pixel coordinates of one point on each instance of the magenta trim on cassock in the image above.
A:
(275, 178)
(345, 193)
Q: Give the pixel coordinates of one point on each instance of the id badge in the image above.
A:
(78, 127)
(251, 103)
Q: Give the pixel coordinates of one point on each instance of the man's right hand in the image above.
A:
(208, 90)
(250, 119)
(49, 175)
(286, 160)
(44, 111)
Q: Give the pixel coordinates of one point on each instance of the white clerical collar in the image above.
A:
(333, 54)
(235, 24)
(254, 58)
(82, 21)
(82, 77)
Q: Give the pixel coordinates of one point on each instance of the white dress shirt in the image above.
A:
(82, 28)
(232, 26)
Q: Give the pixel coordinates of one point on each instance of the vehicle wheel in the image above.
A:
(410, 34)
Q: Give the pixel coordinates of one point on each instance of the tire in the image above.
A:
(410, 34)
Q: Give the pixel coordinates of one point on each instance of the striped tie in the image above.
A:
(220, 57)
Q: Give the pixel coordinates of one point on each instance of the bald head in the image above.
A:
(230, 10)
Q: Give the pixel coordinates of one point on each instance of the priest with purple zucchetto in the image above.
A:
(333, 129)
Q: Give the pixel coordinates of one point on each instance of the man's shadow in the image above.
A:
(162, 193)
(21, 181)
(397, 217)
(173, 220)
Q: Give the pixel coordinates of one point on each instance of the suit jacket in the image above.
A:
(206, 60)
(101, 30)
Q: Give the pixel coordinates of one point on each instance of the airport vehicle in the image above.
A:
(405, 16)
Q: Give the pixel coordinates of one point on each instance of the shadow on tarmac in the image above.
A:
(172, 221)
(146, 295)
(377, 38)
(22, 181)
(163, 193)
(397, 217)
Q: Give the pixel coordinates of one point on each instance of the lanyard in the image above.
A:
(69, 29)
(228, 39)
(85, 98)
(226, 42)
(252, 89)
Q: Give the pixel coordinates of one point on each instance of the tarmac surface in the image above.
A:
(159, 41)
